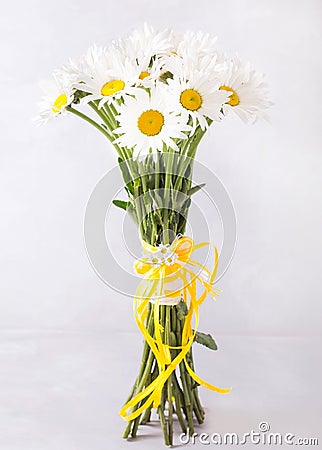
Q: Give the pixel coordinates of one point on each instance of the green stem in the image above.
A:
(146, 416)
(90, 121)
(142, 379)
(198, 409)
(169, 381)
(142, 384)
(179, 403)
(162, 419)
(167, 196)
(198, 403)
(109, 124)
(187, 397)
(190, 154)
(191, 390)
(157, 172)
(146, 349)
(102, 114)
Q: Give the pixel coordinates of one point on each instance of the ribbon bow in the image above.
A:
(163, 265)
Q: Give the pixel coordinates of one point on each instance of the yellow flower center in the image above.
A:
(112, 86)
(191, 99)
(233, 99)
(144, 75)
(151, 122)
(59, 103)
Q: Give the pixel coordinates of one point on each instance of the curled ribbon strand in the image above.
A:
(152, 287)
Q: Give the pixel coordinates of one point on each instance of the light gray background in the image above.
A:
(69, 348)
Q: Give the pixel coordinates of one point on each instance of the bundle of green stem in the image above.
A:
(160, 204)
(180, 393)
(159, 189)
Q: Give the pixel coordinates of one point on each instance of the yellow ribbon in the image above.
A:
(152, 288)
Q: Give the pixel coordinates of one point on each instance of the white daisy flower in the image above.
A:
(85, 66)
(112, 78)
(248, 95)
(197, 47)
(155, 261)
(196, 96)
(144, 48)
(57, 97)
(170, 259)
(151, 76)
(145, 43)
(195, 52)
(164, 249)
(147, 124)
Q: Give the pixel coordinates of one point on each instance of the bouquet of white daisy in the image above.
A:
(153, 95)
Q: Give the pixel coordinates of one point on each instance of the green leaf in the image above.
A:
(195, 189)
(132, 212)
(182, 310)
(185, 206)
(206, 339)
(121, 204)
